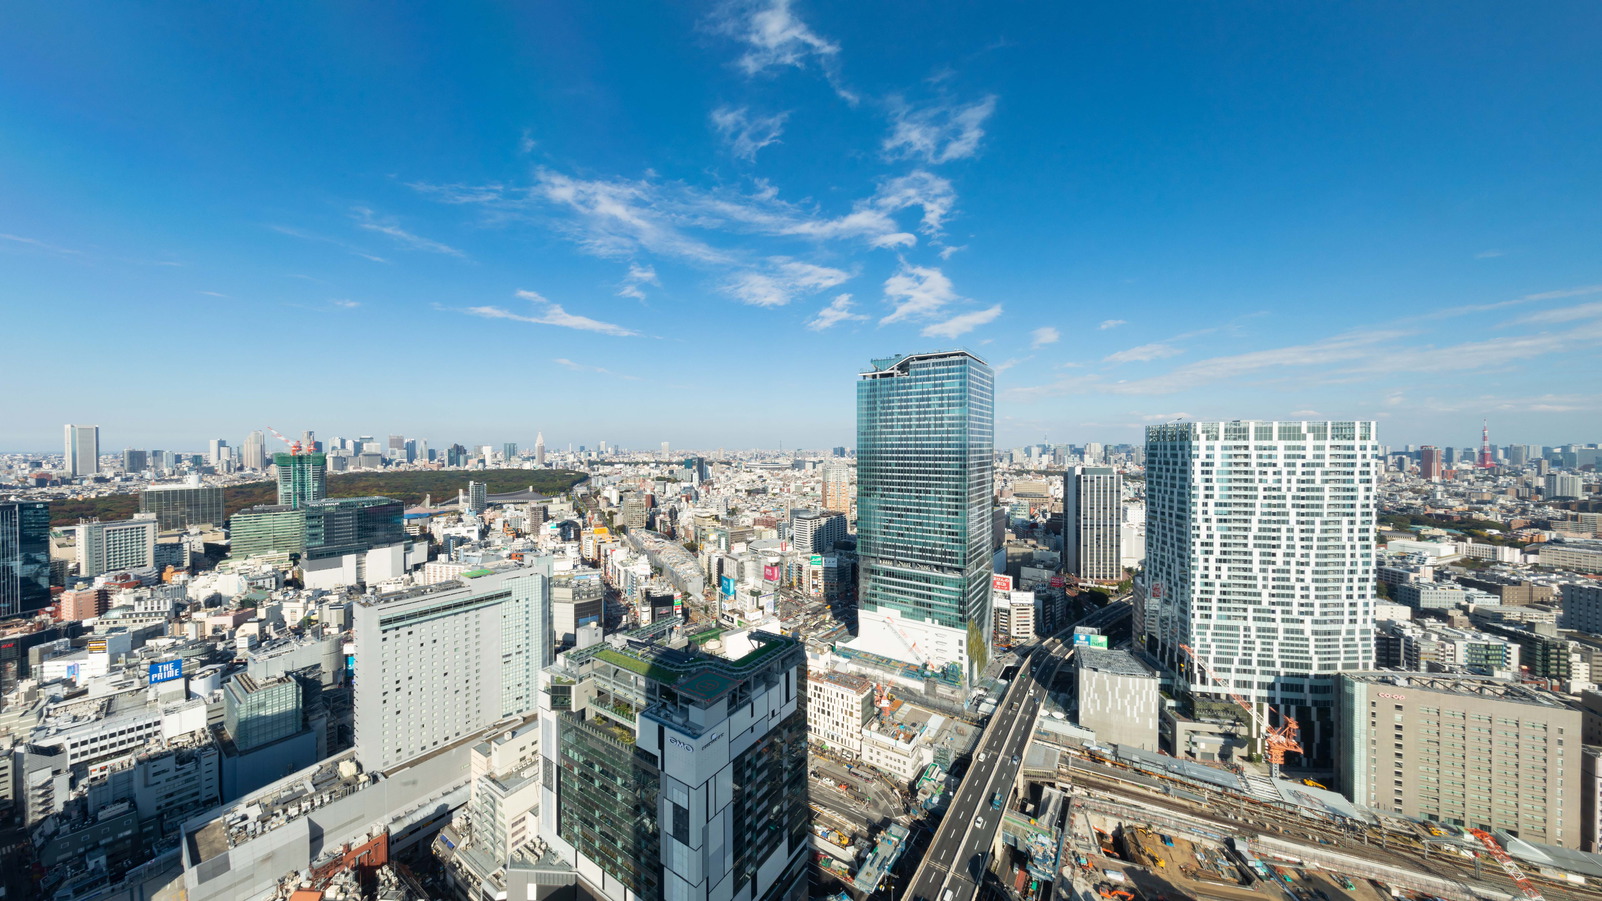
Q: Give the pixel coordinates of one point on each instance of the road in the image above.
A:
(958, 853)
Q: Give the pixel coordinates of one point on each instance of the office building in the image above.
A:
(509, 451)
(1092, 517)
(260, 713)
(694, 470)
(302, 478)
(539, 448)
(134, 461)
(456, 455)
(578, 600)
(1117, 698)
(82, 450)
(253, 455)
(1430, 464)
(816, 531)
(838, 706)
(1582, 607)
(1260, 557)
(107, 547)
(925, 448)
(266, 530)
(670, 772)
(1470, 752)
(24, 557)
(837, 494)
(477, 497)
(182, 505)
(1564, 486)
(438, 664)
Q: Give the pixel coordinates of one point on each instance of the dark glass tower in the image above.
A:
(24, 557)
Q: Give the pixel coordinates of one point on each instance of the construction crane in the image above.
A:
(1277, 741)
(1509, 866)
(294, 446)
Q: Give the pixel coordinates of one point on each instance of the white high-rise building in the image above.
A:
(215, 453)
(1260, 557)
(105, 547)
(437, 665)
(1092, 516)
(253, 455)
(539, 448)
(82, 450)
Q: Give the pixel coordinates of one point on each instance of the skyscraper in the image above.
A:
(477, 496)
(24, 557)
(134, 461)
(302, 478)
(1429, 463)
(539, 448)
(215, 453)
(83, 450)
(1260, 557)
(837, 488)
(509, 451)
(1092, 516)
(254, 453)
(188, 503)
(925, 448)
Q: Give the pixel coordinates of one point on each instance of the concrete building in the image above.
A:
(489, 847)
(1431, 647)
(1477, 753)
(1092, 514)
(816, 531)
(1014, 616)
(477, 496)
(105, 547)
(1564, 485)
(1439, 596)
(837, 493)
(925, 461)
(1582, 607)
(81, 603)
(578, 600)
(1430, 467)
(838, 706)
(257, 713)
(1117, 698)
(440, 663)
(539, 448)
(1260, 557)
(669, 772)
(1573, 556)
(82, 451)
(179, 506)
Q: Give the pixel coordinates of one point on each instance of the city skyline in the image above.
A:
(1386, 228)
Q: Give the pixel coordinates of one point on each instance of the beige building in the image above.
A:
(838, 706)
(1117, 698)
(1472, 752)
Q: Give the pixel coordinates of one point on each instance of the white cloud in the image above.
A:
(774, 37)
(552, 314)
(917, 292)
(962, 323)
(1145, 353)
(1306, 414)
(346, 304)
(365, 218)
(584, 367)
(1112, 323)
(211, 293)
(1003, 367)
(1166, 417)
(835, 313)
(1565, 314)
(308, 236)
(38, 245)
(1489, 254)
(939, 133)
(781, 281)
(638, 275)
(746, 134)
(526, 144)
(1043, 336)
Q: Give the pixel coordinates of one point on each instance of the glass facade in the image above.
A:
(925, 473)
(266, 530)
(769, 779)
(606, 803)
(180, 508)
(257, 714)
(352, 525)
(24, 557)
(302, 478)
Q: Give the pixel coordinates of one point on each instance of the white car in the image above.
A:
(981, 757)
(978, 822)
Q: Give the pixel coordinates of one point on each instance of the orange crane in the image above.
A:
(1277, 741)
(1509, 866)
(294, 446)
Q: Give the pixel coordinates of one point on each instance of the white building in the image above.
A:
(82, 450)
(1117, 698)
(437, 664)
(1260, 557)
(838, 706)
(1092, 515)
(1014, 616)
(105, 547)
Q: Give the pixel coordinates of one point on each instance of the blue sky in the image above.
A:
(697, 222)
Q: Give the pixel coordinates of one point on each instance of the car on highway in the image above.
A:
(1015, 760)
(978, 822)
(995, 801)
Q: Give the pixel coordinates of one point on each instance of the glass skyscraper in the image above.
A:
(302, 478)
(925, 473)
(24, 557)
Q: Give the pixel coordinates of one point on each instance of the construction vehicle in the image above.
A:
(1509, 866)
(1313, 784)
(1277, 741)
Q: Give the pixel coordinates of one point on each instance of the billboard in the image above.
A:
(1001, 582)
(817, 560)
(97, 646)
(1058, 582)
(166, 670)
(1086, 640)
(770, 573)
(727, 584)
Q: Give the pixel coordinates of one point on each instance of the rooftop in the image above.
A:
(1120, 663)
(1460, 685)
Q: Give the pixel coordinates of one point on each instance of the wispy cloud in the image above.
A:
(917, 292)
(1145, 353)
(1043, 336)
(1166, 417)
(1565, 314)
(549, 313)
(745, 133)
(774, 37)
(211, 293)
(638, 275)
(939, 133)
(346, 304)
(320, 239)
(835, 313)
(1112, 323)
(36, 244)
(782, 280)
(1490, 254)
(961, 323)
(601, 370)
(365, 218)
(1470, 309)
(1003, 367)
